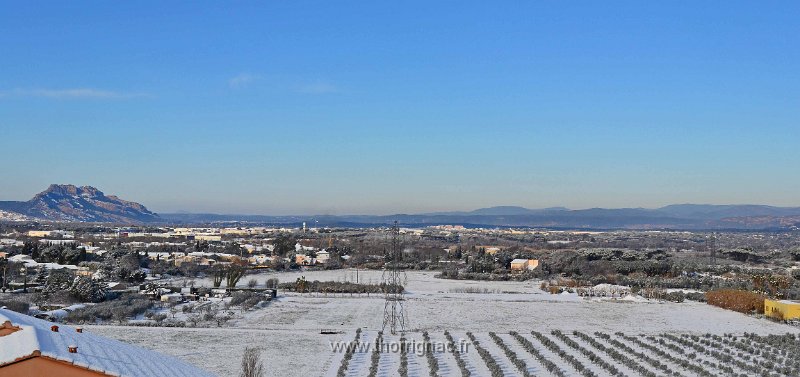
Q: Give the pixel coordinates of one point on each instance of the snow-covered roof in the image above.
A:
(609, 287)
(30, 263)
(63, 312)
(94, 352)
(519, 261)
(20, 258)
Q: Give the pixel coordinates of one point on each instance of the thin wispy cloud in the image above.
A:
(69, 93)
(317, 88)
(242, 80)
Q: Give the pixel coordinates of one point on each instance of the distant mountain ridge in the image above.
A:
(71, 203)
(499, 211)
(80, 204)
(681, 216)
(710, 211)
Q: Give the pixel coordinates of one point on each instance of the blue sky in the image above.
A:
(295, 107)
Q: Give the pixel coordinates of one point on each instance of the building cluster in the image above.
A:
(254, 241)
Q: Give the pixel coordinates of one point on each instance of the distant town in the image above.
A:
(235, 277)
(74, 256)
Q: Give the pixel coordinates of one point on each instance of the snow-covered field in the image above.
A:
(288, 330)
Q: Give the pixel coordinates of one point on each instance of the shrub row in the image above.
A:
(337, 287)
(555, 348)
(511, 355)
(776, 359)
(723, 353)
(785, 345)
(494, 369)
(403, 369)
(16, 306)
(246, 299)
(683, 363)
(348, 354)
(737, 300)
(725, 368)
(589, 354)
(528, 346)
(376, 355)
(457, 354)
(121, 309)
(640, 355)
(616, 355)
(432, 362)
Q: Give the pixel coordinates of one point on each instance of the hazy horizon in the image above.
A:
(374, 108)
(318, 213)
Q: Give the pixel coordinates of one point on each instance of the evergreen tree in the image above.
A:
(85, 288)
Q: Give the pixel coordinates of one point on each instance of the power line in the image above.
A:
(393, 278)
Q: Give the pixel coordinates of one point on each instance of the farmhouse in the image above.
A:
(45, 233)
(782, 309)
(208, 237)
(258, 259)
(520, 265)
(304, 260)
(299, 247)
(323, 256)
(491, 250)
(172, 298)
(34, 347)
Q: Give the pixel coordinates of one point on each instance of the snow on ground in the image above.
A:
(360, 363)
(550, 355)
(219, 350)
(447, 362)
(597, 369)
(490, 346)
(471, 358)
(289, 328)
(417, 362)
(388, 366)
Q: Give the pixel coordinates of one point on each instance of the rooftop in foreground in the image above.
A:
(30, 345)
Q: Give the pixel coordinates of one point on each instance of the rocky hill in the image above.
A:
(82, 204)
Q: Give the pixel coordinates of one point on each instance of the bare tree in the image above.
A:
(219, 274)
(234, 273)
(252, 366)
(173, 309)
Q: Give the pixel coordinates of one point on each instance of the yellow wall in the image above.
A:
(782, 310)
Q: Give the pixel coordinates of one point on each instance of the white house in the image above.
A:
(323, 256)
(172, 298)
(300, 248)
